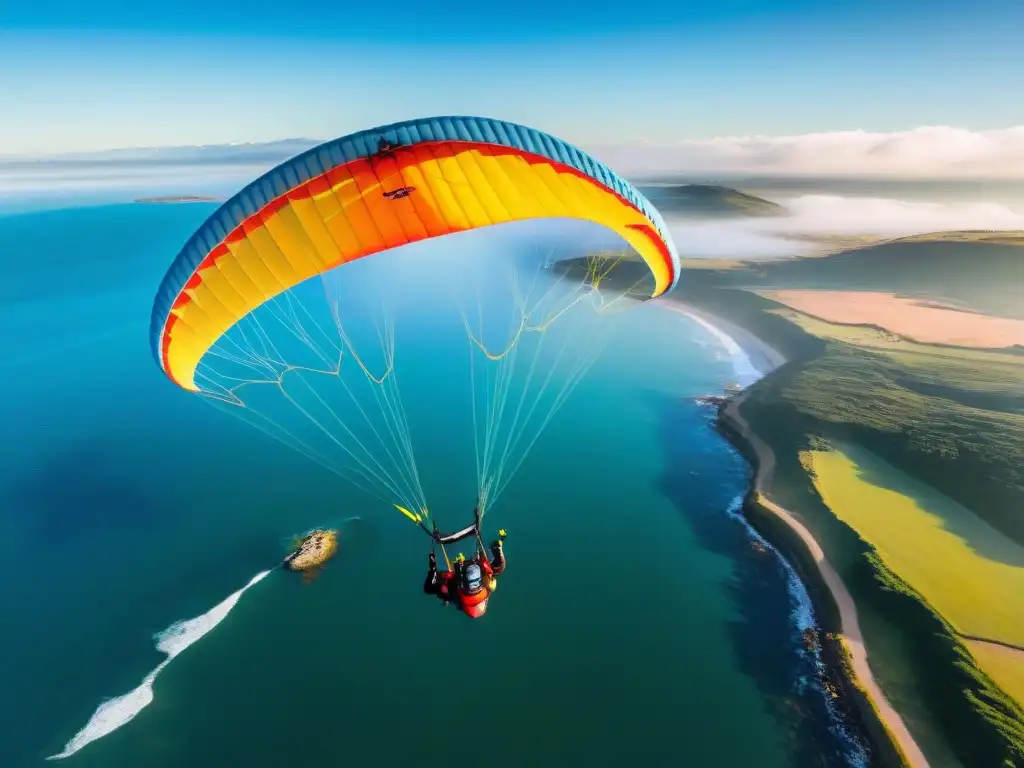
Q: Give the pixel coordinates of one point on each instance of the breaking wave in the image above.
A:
(116, 712)
(743, 367)
(803, 618)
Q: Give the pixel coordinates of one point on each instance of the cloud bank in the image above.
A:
(927, 152)
(835, 215)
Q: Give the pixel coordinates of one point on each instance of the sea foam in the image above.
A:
(113, 713)
(801, 608)
(743, 367)
(802, 616)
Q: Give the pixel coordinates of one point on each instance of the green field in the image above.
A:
(972, 574)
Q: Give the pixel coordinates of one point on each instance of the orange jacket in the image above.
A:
(447, 587)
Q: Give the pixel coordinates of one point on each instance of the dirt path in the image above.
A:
(1009, 647)
(850, 627)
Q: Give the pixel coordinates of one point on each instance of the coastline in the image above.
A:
(884, 724)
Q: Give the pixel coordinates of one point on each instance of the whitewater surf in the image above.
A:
(120, 710)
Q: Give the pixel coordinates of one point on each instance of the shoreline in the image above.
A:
(883, 723)
(763, 358)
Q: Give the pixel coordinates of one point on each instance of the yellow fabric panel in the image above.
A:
(246, 287)
(244, 254)
(457, 187)
(328, 206)
(293, 243)
(189, 335)
(535, 193)
(276, 262)
(463, 191)
(226, 294)
(504, 188)
(187, 344)
(191, 317)
(448, 207)
(302, 233)
(482, 187)
(317, 234)
(566, 193)
(649, 253)
(215, 314)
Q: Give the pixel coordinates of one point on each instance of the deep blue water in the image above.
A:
(635, 621)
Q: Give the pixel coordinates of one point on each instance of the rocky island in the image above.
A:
(312, 550)
(178, 199)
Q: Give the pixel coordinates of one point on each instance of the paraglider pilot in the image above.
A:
(470, 583)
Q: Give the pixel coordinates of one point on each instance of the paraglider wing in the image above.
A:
(329, 206)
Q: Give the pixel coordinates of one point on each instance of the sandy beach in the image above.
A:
(763, 358)
(766, 359)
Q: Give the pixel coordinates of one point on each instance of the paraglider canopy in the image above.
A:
(350, 198)
(250, 311)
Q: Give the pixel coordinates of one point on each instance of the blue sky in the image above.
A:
(79, 76)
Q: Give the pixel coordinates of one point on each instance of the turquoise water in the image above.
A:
(635, 621)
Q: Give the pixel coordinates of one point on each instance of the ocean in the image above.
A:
(141, 531)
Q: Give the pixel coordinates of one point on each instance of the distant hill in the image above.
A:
(705, 200)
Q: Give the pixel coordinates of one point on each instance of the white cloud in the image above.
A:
(931, 151)
(874, 215)
(836, 215)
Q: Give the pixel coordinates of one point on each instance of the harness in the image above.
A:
(438, 539)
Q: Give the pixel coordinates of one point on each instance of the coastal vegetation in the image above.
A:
(951, 419)
(846, 394)
(906, 461)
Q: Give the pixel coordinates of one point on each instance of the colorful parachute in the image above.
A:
(380, 189)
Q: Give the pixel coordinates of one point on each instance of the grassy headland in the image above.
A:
(921, 511)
